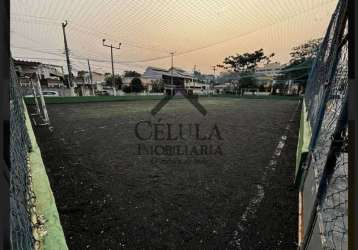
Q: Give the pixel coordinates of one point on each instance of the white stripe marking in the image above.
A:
(260, 192)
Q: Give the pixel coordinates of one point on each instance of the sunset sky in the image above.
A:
(201, 33)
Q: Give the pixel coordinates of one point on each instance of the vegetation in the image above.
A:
(126, 89)
(117, 80)
(245, 64)
(136, 85)
(131, 73)
(301, 61)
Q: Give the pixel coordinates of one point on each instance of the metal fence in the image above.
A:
(324, 185)
(21, 195)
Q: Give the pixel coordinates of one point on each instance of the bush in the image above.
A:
(136, 85)
(126, 89)
(117, 81)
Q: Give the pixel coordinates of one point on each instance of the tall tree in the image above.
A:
(301, 61)
(245, 64)
(131, 73)
(305, 52)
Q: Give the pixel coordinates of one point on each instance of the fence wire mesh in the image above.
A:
(21, 196)
(326, 101)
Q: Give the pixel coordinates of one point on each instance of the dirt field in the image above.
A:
(209, 183)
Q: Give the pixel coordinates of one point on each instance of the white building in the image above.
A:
(50, 75)
(86, 86)
(175, 79)
(221, 88)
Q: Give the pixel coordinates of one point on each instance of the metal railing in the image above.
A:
(324, 186)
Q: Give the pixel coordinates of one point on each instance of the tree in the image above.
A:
(245, 62)
(305, 52)
(117, 80)
(301, 61)
(131, 73)
(247, 80)
(81, 73)
(245, 65)
(136, 85)
(126, 89)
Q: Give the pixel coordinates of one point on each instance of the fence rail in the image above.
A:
(21, 194)
(324, 186)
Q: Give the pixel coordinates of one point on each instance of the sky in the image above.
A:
(200, 33)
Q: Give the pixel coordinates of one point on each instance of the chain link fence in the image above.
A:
(21, 194)
(325, 181)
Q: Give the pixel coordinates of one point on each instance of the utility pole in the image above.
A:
(90, 76)
(194, 69)
(171, 73)
(214, 69)
(112, 47)
(193, 73)
(64, 24)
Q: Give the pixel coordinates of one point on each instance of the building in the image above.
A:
(266, 75)
(87, 84)
(97, 78)
(269, 70)
(50, 75)
(226, 87)
(196, 87)
(174, 80)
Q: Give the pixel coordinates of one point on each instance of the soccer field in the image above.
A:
(123, 178)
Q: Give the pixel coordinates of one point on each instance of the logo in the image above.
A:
(164, 140)
(193, 99)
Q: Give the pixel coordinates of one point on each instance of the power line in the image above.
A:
(232, 38)
(81, 53)
(59, 53)
(193, 49)
(87, 30)
(74, 56)
(250, 32)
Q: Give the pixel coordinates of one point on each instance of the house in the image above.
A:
(94, 78)
(196, 87)
(50, 75)
(224, 88)
(174, 79)
(87, 83)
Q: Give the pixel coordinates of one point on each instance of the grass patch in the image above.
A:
(85, 99)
